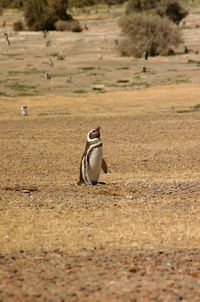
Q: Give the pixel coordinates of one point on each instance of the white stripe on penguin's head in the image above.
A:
(88, 136)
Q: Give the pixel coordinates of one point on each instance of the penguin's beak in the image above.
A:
(98, 128)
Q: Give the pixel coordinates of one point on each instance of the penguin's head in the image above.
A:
(93, 134)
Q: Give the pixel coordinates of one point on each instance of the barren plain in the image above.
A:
(136, 238)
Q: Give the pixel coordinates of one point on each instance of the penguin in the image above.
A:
(92, 159)
(24, 111)
(146, 55)
(144, 68)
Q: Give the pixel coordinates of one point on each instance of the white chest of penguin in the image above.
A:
(95, 162)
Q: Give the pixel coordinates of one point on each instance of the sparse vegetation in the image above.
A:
(190, 109)
(181, 81)
(53, 113)
(80, 91)
(22, 88)
(25, 72)
(148, 32)
(3, 93)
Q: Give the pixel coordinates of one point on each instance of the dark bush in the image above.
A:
(170, 8)
(72, 25)
(82, 3)
(149, 33)
(113, 2)
(11, 3)
(141, 5)
(18, 26)
(173, 10)
(43, 14)
(75, 26)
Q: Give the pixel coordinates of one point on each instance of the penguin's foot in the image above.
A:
(80, 183)
(100, 183)
(94, 183)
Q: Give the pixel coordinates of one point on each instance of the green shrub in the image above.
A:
(43, 14)
(149, 33)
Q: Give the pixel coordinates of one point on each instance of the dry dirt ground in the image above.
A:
(136, 238)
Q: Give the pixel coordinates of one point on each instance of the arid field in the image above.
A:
(136, 238)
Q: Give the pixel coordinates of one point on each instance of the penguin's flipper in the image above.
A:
(104, 166)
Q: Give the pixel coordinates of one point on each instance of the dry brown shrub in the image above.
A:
(172, 9)
(43, 14)
(18, 26)
(73, 25)
(113, 2)
(141, 5)
(11, 3)
(82, 3)
(149, 33)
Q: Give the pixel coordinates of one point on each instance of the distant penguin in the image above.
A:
(144, 68)
(116, 42)
(69, 79)
(24, 111)
(146, 55)
(185, 49)
(99, 56)
(47, 76)
(92, 159)
(86, 27)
